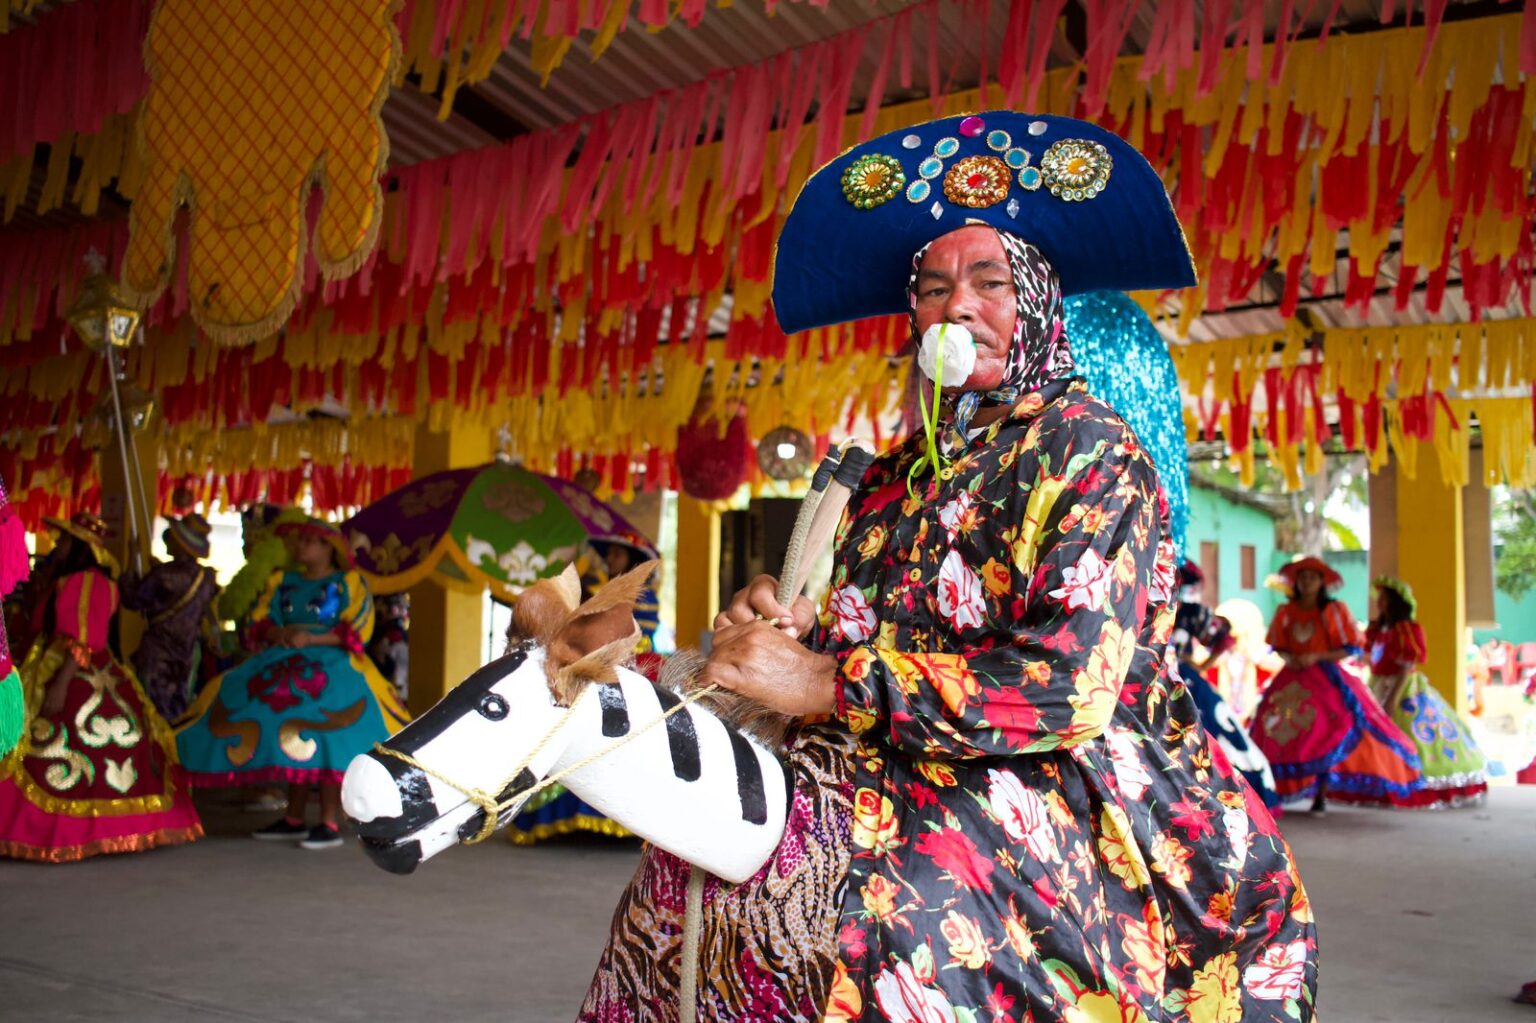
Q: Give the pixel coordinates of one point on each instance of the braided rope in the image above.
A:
(487, 801)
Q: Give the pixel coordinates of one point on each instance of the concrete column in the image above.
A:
(1477, 517)
(446, 625)
(698, 570)
(1382, 495)
(1431, 557)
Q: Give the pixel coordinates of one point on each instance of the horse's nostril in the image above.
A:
(369, 791)
(493, 707)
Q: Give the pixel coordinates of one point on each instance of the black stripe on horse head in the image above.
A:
(522, 783)
(681, 737)
(417, 806)
(462, 699)
(615, 712)
(749, 780)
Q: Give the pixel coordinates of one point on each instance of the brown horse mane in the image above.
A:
(586, 641)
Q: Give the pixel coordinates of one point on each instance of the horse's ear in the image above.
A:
(543, 607)
(597, 637)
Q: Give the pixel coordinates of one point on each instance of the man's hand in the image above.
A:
(758, 600)
(766, 664)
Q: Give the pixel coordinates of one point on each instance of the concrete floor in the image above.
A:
(1424, 918)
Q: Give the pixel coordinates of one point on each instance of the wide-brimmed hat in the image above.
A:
(92, 531)
(190, 534)
(1078, 192)
(1402, 589)
(327, 532)
(1331, 578)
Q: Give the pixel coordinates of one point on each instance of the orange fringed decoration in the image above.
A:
(244, 159)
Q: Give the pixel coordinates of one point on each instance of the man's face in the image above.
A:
(965, 279)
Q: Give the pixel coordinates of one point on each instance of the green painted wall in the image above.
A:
(1516, 618)
(1214, 518)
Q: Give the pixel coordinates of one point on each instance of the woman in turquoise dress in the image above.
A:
(309, 701)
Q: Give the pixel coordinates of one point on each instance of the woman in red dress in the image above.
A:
(1317, 723)
(95, 772)
(1455, 773)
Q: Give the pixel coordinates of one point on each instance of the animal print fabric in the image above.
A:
(768, 946)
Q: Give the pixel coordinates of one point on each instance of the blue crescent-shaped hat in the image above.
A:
(1078, 193)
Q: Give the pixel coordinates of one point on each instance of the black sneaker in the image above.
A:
(281, 830)
(322, 836)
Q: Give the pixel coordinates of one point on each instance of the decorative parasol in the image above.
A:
(498, 526)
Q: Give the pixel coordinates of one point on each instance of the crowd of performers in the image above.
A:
(112, 747)
(1004, 801)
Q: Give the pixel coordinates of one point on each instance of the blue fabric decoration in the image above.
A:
(1127, 365)
(1079, 193)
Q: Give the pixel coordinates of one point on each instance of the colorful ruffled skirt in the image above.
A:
(557, 811)
(1321, 723)
(1230, 736)
(1455, 770)
(287, 715)
(97, 774)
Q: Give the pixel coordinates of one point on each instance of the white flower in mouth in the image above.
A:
(959, 350)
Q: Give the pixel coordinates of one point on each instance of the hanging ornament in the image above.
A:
(711, 462)
(785, 454)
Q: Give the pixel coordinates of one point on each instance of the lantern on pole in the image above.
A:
(106, 321)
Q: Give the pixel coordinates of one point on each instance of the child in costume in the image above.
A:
(176, 597)
(1454, 769)
(1323, 732)
(309, 701)
(96, 771)
(1194, 625)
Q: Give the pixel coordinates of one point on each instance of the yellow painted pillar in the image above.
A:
(698, 570)
(1431, 557)
(447, 626)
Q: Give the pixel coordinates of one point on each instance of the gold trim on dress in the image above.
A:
(125, 843)
(42, 663)
(581, 822)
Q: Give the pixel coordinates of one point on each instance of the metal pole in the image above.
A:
(138, 471)
(122, 449)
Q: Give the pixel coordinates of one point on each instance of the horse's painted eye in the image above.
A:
(493, 707)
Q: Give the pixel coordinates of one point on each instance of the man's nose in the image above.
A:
(961, 307)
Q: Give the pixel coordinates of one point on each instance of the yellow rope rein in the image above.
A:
(487, 800)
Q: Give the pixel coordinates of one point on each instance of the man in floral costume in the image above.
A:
(1010, 811)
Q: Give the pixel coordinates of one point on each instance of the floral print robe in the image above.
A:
(1041, 831)
(1018, 799)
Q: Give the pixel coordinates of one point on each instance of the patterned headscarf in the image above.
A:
(1040, 351)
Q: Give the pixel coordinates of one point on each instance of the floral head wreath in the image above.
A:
(1402, 589)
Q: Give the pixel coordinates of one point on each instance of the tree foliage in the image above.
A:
(1515, 571)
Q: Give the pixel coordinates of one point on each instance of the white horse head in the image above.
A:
(561, 701)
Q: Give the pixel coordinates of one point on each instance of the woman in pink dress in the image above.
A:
(96, 771)
(1323, 732)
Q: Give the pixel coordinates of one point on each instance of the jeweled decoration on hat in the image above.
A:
(873, 179)
(946, 147)
(1029, 179)
(931, 167)
(998, 140)
(1016, 158)
(918, 191)
(1075, 169)
(972, 126)
(977, 182)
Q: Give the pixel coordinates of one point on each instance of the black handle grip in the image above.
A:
(856, 462)
(825, 471)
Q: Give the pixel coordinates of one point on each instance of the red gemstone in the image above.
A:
(977, 180)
